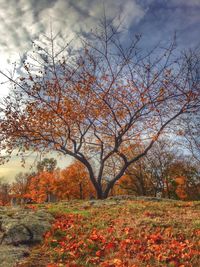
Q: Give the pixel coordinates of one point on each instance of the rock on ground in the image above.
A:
(20, 228)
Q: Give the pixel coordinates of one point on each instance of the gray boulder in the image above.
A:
(25, 227)
(19, 230)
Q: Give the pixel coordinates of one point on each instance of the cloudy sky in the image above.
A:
(23, 21)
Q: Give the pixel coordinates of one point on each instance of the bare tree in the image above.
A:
(47, 164)
(190, 135)
(150, 175)
(4, 192)
(190, 122)
(20, 186)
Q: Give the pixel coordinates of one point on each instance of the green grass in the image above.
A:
(67, 208)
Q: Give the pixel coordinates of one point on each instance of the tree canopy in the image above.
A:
(95, 102)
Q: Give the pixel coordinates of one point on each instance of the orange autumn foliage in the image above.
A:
(70, 183)
(180, 180)
(181, 189)
(41, 185)
(118, 244)
(74, 182)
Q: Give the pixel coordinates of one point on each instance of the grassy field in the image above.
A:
(121, 233)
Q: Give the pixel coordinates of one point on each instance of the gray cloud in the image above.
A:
(24, 20)
(191, 3)
(165, 17)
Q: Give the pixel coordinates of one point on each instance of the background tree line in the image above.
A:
(164, 172)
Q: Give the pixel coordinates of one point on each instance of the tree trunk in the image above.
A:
(107, 190)
(142, 186)
(99, 193)
(167, 188)
(81, 190)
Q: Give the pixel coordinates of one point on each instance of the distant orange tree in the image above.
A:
(163, 171)
(42, 185)
(70, 183)
(185, 180)
(74, 182)
(93, 102)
